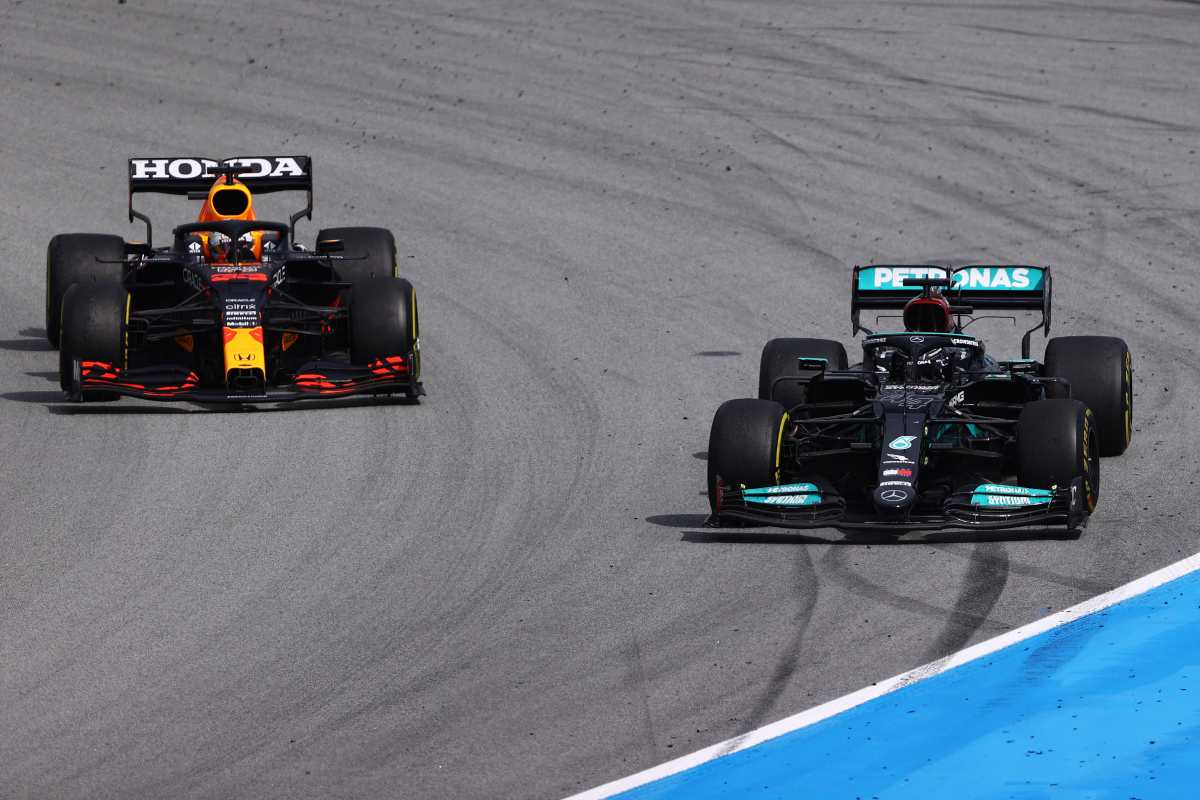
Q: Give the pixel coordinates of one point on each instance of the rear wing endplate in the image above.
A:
(186, 175)
(1009, 287)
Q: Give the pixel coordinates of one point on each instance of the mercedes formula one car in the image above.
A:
(233, 309)
(928, 431)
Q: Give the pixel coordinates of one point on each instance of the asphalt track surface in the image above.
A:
(607, 208)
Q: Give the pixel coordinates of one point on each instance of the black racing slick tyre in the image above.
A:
(383, 321)
(78, 258)
(1057, 443)
(365, 252)
(1100, 371)
(95, 317)
(779, 360)
(743, 446)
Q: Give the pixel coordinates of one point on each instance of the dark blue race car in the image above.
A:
(233, 309)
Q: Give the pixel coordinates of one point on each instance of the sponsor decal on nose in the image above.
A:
(894, 496)
(244, 349)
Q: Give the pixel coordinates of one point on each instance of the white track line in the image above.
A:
(827, 710)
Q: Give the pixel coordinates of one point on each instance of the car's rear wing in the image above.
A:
(188, 175)
(1008, 287)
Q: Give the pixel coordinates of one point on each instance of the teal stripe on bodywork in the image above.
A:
(792, 494)
(995, 494)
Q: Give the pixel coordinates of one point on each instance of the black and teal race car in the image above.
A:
(928, 431)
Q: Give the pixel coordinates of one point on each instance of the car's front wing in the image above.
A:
(317, 379)
(1066, 507)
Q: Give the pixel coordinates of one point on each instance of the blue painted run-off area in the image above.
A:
(1106, 706)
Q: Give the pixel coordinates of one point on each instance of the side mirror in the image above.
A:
(806, 362)
(331, 246)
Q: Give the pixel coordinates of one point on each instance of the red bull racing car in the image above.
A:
(927, 431)
(233, 309)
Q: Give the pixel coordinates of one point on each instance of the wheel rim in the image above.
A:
(1091, 462)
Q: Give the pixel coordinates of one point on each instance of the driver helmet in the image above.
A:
(223, 249)
(928, 314)
(220, 247)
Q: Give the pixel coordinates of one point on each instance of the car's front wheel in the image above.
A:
(383, 322)
(1057, 442)
(95, 318)
(744, 446)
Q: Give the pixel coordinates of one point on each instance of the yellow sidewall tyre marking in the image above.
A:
(1128, 398)
(1086, 456)
(779, 445)
(125, 333)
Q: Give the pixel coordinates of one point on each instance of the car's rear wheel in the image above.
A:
(73, 258)
(384, 322)
(1057, 442)
(780, 377)
(1100, 371)
(95, 317)
(744, 445)
(365, 252)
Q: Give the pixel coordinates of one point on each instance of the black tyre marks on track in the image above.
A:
(982, 583)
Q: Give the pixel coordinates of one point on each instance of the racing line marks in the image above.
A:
(986, 577)
(834, 707)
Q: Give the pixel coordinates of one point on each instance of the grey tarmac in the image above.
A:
(607, 209)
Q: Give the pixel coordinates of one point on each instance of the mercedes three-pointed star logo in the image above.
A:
(893, 495)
